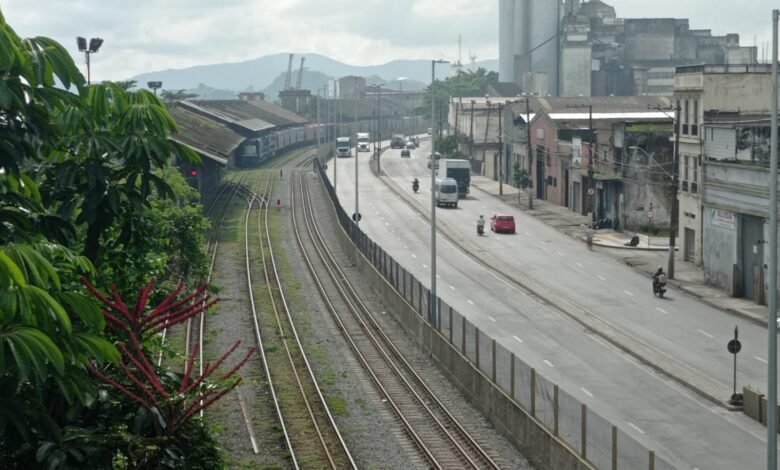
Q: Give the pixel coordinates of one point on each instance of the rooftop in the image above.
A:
(210, 138)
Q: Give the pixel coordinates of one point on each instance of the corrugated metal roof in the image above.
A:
(207, 136)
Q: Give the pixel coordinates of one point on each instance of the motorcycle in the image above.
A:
(415, 186)
(659, 285)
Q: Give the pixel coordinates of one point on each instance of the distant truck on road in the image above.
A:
(397, 141)
(343, 147)
(363, 142)
(459, 170)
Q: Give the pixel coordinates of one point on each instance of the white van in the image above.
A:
(446, 192)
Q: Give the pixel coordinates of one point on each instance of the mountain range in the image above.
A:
(263, 72)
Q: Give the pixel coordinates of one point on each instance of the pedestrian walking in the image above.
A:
(280, 174)
(278, 205)
(589, 236)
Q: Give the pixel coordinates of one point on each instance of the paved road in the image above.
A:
(644, 404)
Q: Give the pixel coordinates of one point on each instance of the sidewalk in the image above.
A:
(646, 259)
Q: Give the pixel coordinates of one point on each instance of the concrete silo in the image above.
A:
(528, 45)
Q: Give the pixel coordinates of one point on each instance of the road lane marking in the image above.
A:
(662, 310)
(559, 253)
(586, 392)
(469, 301)
(704, 333)
(452, 287)
(602, 278)
(491, 318)
(425, 266)
(438, 277)
(548, 363)
(406, 247)
(637, 428)
(414, 256)
(628, 293)
(761, 360)
(580, 265)
(517, 339)
(387, 224)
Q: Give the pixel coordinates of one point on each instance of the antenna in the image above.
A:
(458, 66)
(300, 74)
(289, 73)
(473, 59)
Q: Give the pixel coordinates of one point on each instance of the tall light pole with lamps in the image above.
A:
(155, 85)
(433, 304)
(94, 46)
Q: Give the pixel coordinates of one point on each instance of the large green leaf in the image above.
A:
(85, 308)
(32, 350)
(10, 272)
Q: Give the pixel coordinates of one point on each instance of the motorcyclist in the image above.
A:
(415, 185)
(659, 278)
(481, 225)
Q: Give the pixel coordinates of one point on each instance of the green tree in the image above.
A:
(112, 146)
(447, 145)
(49, 329)
(169, 96)
(521, 178)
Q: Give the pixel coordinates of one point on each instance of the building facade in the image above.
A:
(574, 48)
(701, 93)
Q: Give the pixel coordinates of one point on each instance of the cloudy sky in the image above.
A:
(146, 35)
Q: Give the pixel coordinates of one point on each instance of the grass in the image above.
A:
(337, 406)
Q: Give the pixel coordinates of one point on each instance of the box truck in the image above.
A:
(459, 170)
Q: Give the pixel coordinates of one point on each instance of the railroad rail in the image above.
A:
(442, 441)
(310, 432)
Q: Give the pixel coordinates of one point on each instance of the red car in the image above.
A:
(502, 223)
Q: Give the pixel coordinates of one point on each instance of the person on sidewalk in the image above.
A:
(589, 236)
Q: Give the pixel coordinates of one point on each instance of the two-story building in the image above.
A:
(628, 173)
(703, 92)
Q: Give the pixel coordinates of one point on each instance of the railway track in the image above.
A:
(433, 430)
(311, 436)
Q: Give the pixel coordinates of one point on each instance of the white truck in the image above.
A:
(363, 141)
(343, 147)
(459, 170)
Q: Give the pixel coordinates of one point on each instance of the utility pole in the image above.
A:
(471, 132)
(591, 156)
(484, 142)
(675, 216)
(316, 129)
(500, 155)
(528, 150)
(771, 424)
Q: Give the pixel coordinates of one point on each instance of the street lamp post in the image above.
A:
(433, 304)
(94, 46)
(155, 85)
(771, 427)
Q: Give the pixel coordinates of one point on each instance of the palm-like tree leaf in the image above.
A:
(10, 272)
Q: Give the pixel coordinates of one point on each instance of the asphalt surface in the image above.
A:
(678, 334)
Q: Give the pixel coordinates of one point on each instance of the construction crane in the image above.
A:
(289, 73)
(300, 74)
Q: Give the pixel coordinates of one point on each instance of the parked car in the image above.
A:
(502, 223)
(405, 153)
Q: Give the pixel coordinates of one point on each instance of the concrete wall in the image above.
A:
(649, 39)
(721, 254)
(743, 92)
(576, 70)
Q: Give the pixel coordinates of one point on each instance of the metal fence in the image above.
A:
(598, 441)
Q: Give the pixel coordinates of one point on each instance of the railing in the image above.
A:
(594, 438)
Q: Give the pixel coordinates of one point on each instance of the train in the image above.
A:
(277, 141)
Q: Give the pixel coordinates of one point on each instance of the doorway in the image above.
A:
(689, 252)
(752, 234)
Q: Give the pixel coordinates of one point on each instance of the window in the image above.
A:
(696, 160)
(695, 126)
(685, 163)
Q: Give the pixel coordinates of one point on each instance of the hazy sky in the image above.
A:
(146, 35)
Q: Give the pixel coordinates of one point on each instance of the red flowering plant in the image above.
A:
(172, 399)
